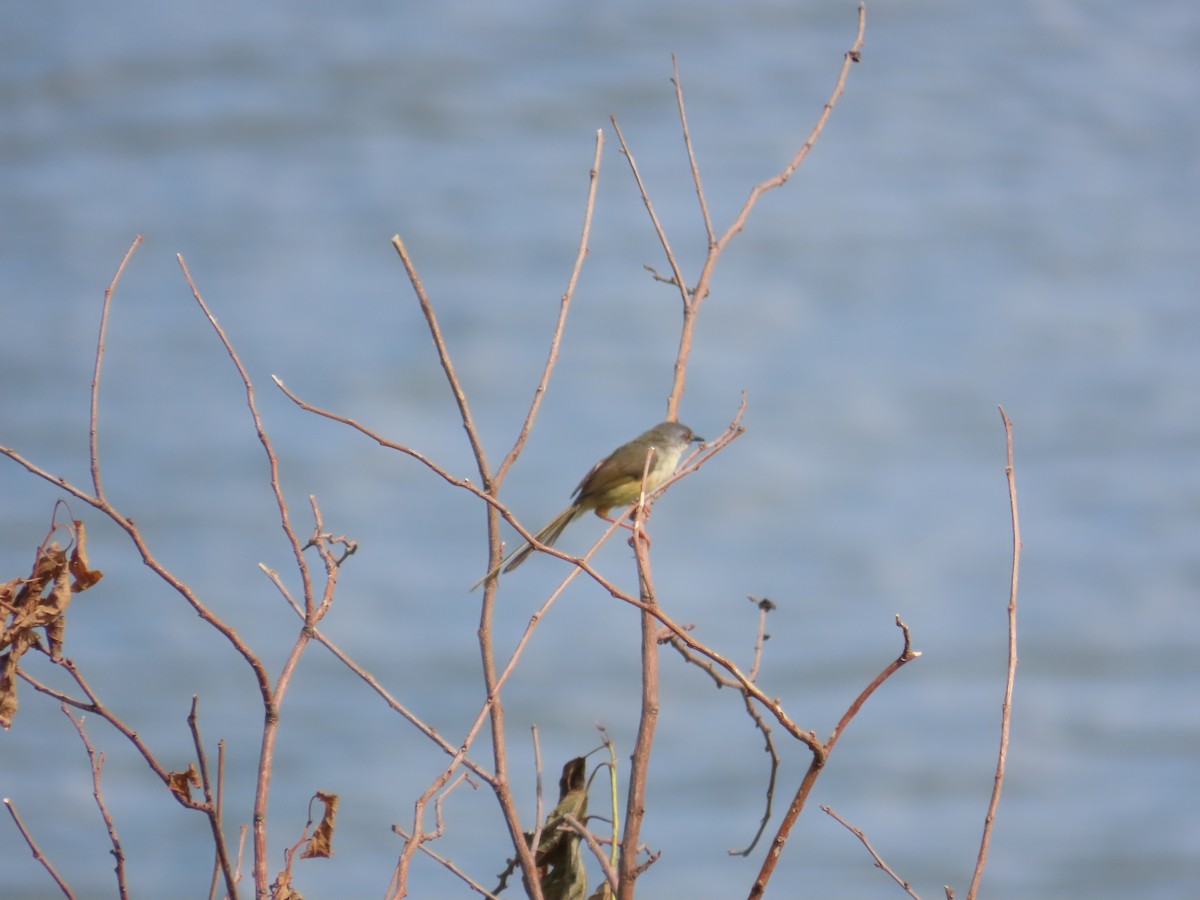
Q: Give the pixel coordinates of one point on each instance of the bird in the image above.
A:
(613, 482)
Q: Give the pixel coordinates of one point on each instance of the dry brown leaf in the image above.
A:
(8, 690)
(282, 888)
(8, 591)
(40, 601)
(27, 606)
(181, 783)
(55, 608)
(321, 842)
(84, 577)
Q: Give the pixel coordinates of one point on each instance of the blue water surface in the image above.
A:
(1001, 210)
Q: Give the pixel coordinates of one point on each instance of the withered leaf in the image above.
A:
(8, 591)
(181, 783)
(27, 605)
(85, 577)
(321, 842)
(55, 607)
(8, 689)
(282, 888)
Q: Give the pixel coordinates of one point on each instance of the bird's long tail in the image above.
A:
(548, 535)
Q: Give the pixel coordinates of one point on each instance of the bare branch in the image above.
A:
(97, 707)
(260, 430)
(449, 865)
(564, 305)
(219, 812)
(765, 606)
(818, 763)
(1006, 705)
(463, 483)
(853, 55)
(130, 527)
(93, 450)
(907, 655)
(427, 730)
(492, 709)
(721, 680)
(614, 800)
(677, 273)
(610, 874)
(539, 823)
(879, 863)
(37, 853)
(761, 724)
(97, 765)
(439, 342)
(691, 153)
(635, 802)
(271, 699)
(693, 297)
(213, 806)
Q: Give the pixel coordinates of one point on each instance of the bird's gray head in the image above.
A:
(670, 439)
(673, 434)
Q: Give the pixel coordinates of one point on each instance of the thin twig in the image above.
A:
(96, 761)
(879, 863)
(765, 606)
(761, 724)
(721, 680)
(94, 417)
(214, 817)
(271, 698)
(1006, 706)
(614, 804)
(443, 352)
(100, 502)
(818, 763)
(126, 524)
(263, 438)
(417, 838)
(242, 832)
(907, 655)
(690, 300)
(538, 824)
(581, 253)
(694, 296)
(677, 273)
(449, 865)
(492, 680)
(37, 852)
(422, 726)
(219, 812)
(378, 438)
(852, 56)
(493, 706)
(95, 706)
(610, 874)
(743, 682)
(691, 153)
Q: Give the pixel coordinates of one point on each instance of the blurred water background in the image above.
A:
(1003, 209)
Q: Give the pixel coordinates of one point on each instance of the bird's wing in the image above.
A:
(626, 466)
